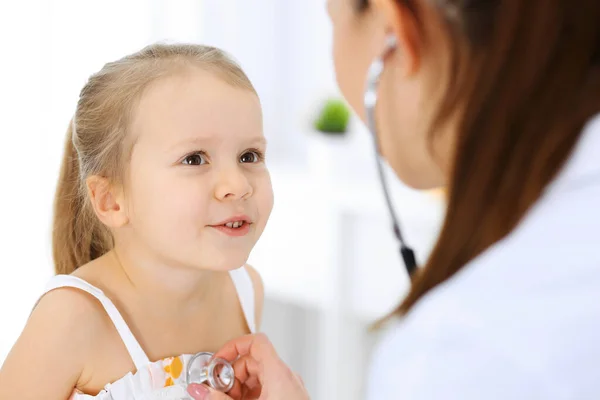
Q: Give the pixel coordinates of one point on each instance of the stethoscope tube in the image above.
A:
(370, 102)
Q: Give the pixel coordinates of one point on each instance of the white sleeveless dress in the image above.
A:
(163, 379)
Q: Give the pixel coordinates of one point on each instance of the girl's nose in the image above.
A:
(232, 184)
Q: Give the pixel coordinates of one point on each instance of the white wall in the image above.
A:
(21, 160)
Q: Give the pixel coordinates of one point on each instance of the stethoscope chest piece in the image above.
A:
(217, 373)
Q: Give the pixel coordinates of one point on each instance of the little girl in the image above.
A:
(162, 195)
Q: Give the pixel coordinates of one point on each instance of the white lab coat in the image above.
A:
(520, 322)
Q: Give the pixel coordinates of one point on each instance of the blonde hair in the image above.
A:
(96, 145)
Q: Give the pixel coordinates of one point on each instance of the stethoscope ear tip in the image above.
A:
(391, 42)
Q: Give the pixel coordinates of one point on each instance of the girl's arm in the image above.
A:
(48, 358)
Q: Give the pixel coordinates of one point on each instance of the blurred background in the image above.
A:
(328, 257)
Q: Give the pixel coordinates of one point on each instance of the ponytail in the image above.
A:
(77, 235)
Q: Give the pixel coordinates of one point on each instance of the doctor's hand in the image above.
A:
(259, 373)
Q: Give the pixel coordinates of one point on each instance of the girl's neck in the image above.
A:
(165, 289)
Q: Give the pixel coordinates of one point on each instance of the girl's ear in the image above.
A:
(107, 201)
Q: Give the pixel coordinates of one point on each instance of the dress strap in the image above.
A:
(137, 354)
(245, 290)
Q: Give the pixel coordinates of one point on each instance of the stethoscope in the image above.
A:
(218, 373)
(370, 100)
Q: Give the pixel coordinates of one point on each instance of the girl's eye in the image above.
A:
(251, 157)
(194, 159)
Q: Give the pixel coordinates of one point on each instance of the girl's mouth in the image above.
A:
(234, 227)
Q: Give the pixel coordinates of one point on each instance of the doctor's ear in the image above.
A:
(404, 35)
(107, 200)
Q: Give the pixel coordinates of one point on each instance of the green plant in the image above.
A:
(333, 118)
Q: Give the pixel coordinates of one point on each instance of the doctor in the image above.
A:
(498, 101)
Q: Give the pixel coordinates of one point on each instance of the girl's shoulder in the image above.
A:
(75, 315)
(58, 339)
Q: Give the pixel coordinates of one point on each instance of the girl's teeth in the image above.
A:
(235, 224)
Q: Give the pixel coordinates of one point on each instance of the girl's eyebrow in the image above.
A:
(203, 141)
(196, 140)
(258, 140)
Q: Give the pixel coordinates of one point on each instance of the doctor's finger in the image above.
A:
(247, 369)
(258, 346)
(202, 392)
(237, 391)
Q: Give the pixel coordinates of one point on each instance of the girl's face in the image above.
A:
(198, 192)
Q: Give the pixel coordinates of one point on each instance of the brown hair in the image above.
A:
(527, 75)
(96, 145)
